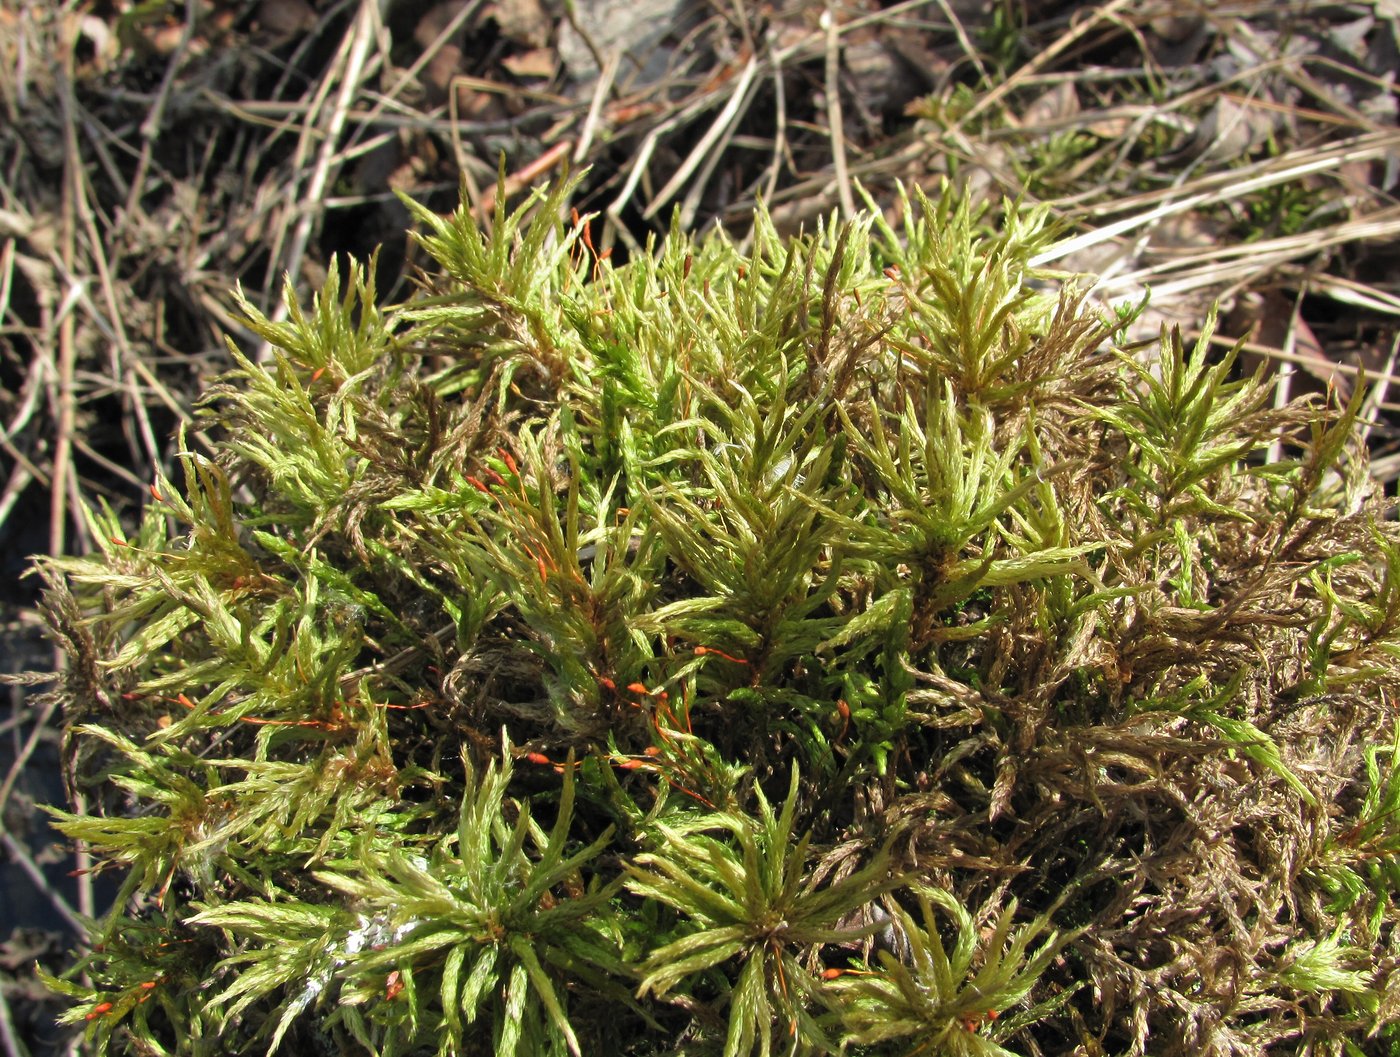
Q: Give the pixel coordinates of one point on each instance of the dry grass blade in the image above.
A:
(835, 120)
(720, 128)
(1224, 187)
(1103, 13)
(348, 79)
(1249, 264)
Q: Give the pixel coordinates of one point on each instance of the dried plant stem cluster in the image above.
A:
(844, 646)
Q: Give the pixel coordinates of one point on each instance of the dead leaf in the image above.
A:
(1230, 130)
(283, 19)
(1188, 231)
(1272, 318)
(165, 38)
(478, 105)
(1175, 29)
(437, 75)
(522, 21)
(535, 64)
(1052, 107)
(436, 21)
(1110, 127)
(635, 30)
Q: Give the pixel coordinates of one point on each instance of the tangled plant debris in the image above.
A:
(842, 646)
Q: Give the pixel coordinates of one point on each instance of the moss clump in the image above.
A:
(841, 646)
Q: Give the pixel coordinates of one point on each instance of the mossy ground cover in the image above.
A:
(157, 155)
(848, 644)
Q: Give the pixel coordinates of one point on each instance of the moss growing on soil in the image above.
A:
(841, 646)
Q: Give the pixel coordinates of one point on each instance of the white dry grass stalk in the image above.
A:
(1231, 265)
(711, 142)
(834, 117)
(1231, 185)
(349, 73)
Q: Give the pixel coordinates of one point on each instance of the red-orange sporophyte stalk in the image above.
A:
(654, 758)
(705, 651)
(844, 711)
(834, 973)
(585, 229)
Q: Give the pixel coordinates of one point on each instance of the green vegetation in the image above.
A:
(838, 647)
